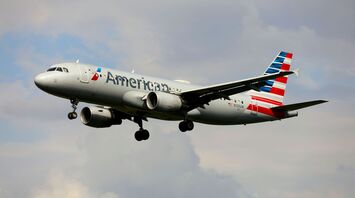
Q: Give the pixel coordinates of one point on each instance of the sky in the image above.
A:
(43, 154)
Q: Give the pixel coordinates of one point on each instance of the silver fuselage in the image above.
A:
(124, 91)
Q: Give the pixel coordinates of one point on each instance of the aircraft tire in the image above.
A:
(189, 125)
(75, 115)
(138, 136)
(142, 135)
(145, 134)
(72, 115)
(186, 125)
(183, 126)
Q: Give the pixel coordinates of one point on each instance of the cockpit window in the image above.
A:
(60, 69)
(51, 69)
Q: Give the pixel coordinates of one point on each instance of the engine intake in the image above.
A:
(162, 101)
(99, 117)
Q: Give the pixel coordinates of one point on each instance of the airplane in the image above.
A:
(119, 95)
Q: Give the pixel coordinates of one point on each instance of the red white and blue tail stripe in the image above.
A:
(269, 99)
(272, 94)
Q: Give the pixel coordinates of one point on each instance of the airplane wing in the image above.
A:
(296, 106)
(204, 95)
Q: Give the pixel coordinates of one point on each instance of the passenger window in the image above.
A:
(65, 70)
(59, 69)
(51, 69)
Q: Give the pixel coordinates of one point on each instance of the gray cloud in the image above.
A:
(177, 36)
(82, 162)
(166, 166)
(20, 103)
(329, 19)
(291, 158)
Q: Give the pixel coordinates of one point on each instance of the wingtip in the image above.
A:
(297, 72)
(321, 101)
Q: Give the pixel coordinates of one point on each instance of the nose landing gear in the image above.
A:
(73, 115)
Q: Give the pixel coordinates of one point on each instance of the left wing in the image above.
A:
(201, 96)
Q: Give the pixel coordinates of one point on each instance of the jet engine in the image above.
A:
(162, 101)
(99, 117)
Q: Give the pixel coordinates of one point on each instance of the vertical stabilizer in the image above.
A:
(273, 92)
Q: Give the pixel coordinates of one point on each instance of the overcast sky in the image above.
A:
(42, 154)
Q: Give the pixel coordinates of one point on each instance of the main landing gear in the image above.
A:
(73, 115)
(141, 134)
(186, 125)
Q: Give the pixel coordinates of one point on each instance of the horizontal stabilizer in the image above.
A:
(301, 105)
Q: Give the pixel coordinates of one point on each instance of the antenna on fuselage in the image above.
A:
(77, 61)
(132, 71)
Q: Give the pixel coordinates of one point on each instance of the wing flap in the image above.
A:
(296, 106)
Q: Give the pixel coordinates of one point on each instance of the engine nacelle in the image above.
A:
(98, 117)
(162, 101)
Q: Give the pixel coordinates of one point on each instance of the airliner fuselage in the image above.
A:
(124, 91)
(119, 95)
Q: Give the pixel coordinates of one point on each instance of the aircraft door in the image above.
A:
(84, 74)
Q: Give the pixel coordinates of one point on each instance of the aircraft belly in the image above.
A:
(149, 113)
(223, 112)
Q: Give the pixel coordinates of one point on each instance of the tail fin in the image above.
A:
(273, 92)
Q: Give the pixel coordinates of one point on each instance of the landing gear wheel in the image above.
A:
(189, 125)
(182, 126)
(138, 136)
(145, 134)
(72, 115)
(186, 125)
(142, 134)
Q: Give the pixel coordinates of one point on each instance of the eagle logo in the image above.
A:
(97, 74)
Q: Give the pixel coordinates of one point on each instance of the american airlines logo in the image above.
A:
(97, 74)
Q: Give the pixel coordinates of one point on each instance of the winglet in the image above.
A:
(297, 72)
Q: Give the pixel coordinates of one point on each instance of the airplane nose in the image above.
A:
(39, 80)
(42, 81)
